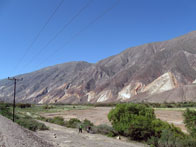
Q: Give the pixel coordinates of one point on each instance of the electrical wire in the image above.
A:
(39, 33)
(42, 50)
(79, 32)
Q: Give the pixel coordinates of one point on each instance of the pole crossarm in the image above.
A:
(14, 102)
(17, 79)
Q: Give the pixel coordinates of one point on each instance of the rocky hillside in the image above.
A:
(154, 72)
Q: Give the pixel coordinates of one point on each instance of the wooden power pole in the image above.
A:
(14, 102)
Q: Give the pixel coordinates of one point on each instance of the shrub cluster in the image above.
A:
(171, 105)
(73, 123)
(138, 122)
(26, 121)
(104, 130)
(48, 107)
(31, 124)
(5, 110)
(56, 120)
(21, 105)
(190, 121)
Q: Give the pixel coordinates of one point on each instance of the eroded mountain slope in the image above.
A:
(142, 71)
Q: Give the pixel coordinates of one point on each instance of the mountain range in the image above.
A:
(154, 72)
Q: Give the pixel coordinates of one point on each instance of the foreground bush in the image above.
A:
(169, 139)
(5, 110)
(31, 124)
(138, 122)
(26, 121)
(190, 121)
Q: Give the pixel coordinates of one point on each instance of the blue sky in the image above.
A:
(129, 23)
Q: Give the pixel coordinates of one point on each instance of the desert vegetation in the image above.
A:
(138, 122)
(23, 120)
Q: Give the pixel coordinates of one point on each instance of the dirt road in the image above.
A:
(12, 135)
(66, 137)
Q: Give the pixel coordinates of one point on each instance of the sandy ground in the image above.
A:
(67, 137)
(172, 117)
(12, 135)
(98, 115)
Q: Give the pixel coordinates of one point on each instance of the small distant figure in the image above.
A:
(88, 129)
(80, 129)
(55, 136)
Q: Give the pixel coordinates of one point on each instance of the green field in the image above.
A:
(35, 110)
(176, 109)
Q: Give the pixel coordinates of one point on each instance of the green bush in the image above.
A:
(87, 123)
(5, 110)
(31, 124)
(57, 120)
(23, 105)
(138, 122)
(169, 139)
(48, 107)
(190, 121)
(26, 121)
(73, 123)
(104, 130)
(124, 116)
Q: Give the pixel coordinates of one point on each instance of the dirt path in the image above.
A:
(66, 137)
(12, 135)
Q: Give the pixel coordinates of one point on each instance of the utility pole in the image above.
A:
(14, 102)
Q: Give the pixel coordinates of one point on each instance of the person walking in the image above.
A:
(80, 129)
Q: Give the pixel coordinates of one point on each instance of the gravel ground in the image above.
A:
(67, 137)
(13, 135)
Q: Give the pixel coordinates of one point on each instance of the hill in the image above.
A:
(155, 72)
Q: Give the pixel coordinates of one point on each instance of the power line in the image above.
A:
(79, 32)
(58, 33)
(14, 102)
(39, 33)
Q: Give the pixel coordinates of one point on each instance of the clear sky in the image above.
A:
(96, 32)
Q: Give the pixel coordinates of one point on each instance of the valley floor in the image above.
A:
(98, 115)
(67, 137)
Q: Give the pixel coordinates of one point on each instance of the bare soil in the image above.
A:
(13, 135)
(98, 115)
(61, 136)
(173, 117)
